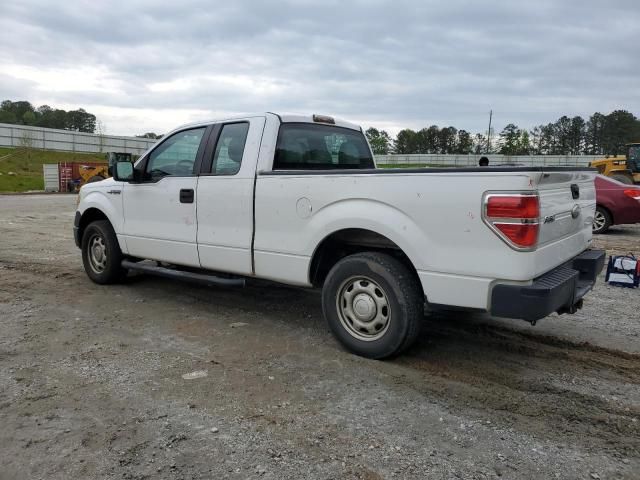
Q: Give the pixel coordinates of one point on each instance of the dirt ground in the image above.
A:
(158, 379)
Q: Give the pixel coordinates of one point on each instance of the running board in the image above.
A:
(182, 275)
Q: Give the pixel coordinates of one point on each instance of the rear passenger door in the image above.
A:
(225, 196)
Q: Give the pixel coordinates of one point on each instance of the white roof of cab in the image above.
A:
(284, 118)
(299, 118)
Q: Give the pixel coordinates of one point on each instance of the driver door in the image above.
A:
(160, 211)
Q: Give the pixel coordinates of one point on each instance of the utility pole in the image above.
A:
(489, 132)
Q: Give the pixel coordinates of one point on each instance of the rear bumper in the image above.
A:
(559, 290)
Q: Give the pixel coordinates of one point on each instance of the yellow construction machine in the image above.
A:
(623, 168)
(95, 172)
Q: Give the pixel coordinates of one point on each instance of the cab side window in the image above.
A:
(229, 149)
(176, 155)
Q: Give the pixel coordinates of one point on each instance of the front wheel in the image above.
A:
(373, 304)
(101, 254)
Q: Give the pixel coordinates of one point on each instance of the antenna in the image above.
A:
(489, 132)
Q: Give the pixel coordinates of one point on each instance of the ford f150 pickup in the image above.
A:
(299, 200)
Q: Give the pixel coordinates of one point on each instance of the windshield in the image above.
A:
(303, 146)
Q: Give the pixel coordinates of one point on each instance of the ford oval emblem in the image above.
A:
(575, 211)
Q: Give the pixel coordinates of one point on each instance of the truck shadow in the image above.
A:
(451, 334)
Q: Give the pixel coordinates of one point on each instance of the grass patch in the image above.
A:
(27, 163)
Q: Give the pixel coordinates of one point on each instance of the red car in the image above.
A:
(616, 203)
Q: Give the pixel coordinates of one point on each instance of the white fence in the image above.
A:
(69, 141)
(472, 160)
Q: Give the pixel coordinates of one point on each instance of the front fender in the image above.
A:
(98, 200)
(108, 204)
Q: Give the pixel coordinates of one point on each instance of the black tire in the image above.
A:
(376, 280)
(601, 220)
(95, 178)
(626, 179)
(99, 236)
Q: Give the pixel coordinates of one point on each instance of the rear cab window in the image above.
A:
(303, 146)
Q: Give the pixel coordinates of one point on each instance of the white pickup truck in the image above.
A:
(299, 200)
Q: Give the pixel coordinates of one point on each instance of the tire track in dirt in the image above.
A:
(546, 386)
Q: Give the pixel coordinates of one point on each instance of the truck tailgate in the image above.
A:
(567, 206)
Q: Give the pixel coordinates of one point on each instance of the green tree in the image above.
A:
(379, 140)
(59, 119)
(23, 113)
(406, 142)
(7, 117)
(19, 109)
(524, 143)
(594, 134)
(464, 143)
(620, 127)
(535, 136)
(549, 139)
(510, 140)
(479, 143)
(447, 140)
(429, 139)
(562, 133)
(29, 118)
(81, 121)
(576, 135)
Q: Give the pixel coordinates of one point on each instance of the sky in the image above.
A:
(141, 66)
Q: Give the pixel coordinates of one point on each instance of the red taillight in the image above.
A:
(514, 217)
(633, 193)
(513, 206)
(522, 234)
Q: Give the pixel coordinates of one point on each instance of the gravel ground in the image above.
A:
(158, 379)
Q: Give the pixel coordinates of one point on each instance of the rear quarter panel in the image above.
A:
(435, 218)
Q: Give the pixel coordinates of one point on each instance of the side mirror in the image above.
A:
(123, 172)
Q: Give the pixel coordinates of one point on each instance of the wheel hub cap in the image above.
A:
(97, 254)
(598, 221)
(364, 307)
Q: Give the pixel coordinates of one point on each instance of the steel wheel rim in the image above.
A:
(363, 308)
(598, 221)
(97, 253)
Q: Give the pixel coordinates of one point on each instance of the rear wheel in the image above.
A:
(601, 220)
(623, 178)
(101, 254)
(373, 304)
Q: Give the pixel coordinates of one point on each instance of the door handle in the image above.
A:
(186, 195)
(575, 191)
